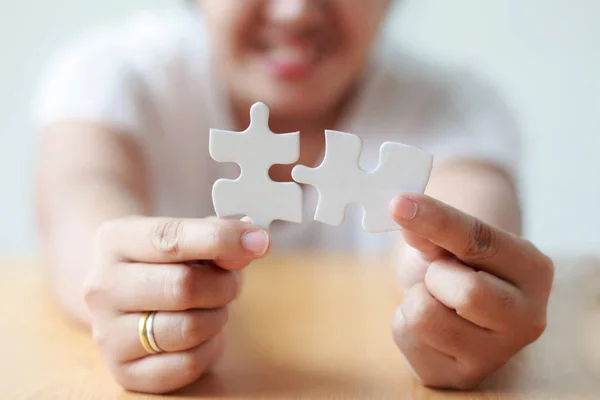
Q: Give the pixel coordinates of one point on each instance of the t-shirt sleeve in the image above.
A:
(91, 80)
(469, 119)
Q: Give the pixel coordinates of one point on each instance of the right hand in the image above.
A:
(184, 269)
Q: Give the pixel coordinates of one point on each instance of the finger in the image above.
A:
(428, 251)
(469, 239)
(172, 331)
(162, 287)
(431, 367)
(168, 240)
(411, 266)
(425, 321)
(416, 255)
(166, 372)
(233, 265)
(420, 359)
(477, 296)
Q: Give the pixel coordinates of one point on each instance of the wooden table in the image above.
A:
(304, 327)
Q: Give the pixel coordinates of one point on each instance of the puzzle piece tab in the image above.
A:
(340, 181)
(253, 193)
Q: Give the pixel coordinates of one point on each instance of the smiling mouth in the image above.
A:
(292, 56)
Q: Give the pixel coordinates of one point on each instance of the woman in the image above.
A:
(125, 180)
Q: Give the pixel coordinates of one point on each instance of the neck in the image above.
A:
(309, 125)
(287, 123)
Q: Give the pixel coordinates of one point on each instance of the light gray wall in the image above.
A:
(30, 32)
(545, 55)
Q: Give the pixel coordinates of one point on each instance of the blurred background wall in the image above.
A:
(543, 55)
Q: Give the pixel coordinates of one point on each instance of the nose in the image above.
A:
(292, 11)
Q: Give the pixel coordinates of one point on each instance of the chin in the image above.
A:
(295, 101)
(295, 107)
(301, 95)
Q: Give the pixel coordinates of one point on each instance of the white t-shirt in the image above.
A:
(151, 77)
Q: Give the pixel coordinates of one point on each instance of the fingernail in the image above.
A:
(256, 242)
(404, 208)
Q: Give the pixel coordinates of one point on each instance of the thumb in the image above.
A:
(428, 250)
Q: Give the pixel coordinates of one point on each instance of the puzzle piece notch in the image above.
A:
(253, 193)
(340, 181)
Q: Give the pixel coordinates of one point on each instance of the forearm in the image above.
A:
(482, 191)
(86, 175)
(68, 220)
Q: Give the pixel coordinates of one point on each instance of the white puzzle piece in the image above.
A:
(340, 181)
(253, 193)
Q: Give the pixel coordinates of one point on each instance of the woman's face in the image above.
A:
(298, 56)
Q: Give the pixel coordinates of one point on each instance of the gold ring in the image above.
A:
(150, 333)
(143, 333)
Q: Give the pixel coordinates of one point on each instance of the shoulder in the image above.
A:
(451, 111)
(102, 73)
(142, 38)
(435, 87)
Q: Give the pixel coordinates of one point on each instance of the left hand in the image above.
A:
(475, 295)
